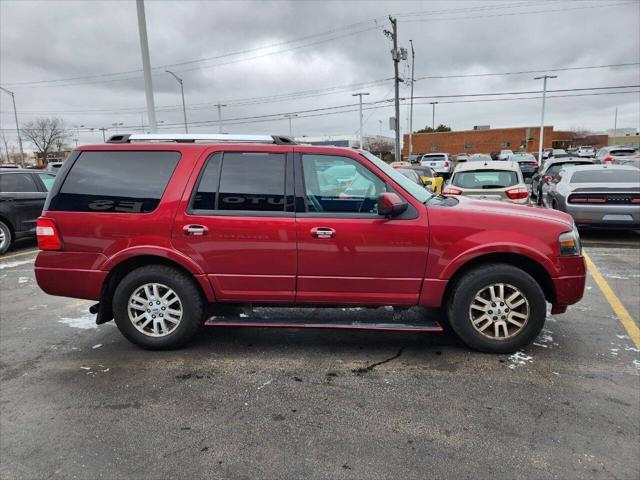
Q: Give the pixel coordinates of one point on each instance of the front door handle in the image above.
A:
(195, 230)
(323, 232)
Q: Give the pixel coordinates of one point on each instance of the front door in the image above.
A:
(347, 253)
(237, 222)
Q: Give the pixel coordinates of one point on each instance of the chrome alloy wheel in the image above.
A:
(499, 311)
(3, 239)
(155, 309)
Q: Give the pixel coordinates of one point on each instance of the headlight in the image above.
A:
(570, 243)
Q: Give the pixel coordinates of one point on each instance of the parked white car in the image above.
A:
(440, 162)
(586, 151)
(505, 155)
(495, 180)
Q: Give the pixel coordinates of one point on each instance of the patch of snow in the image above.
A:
(519, 359)
(637, 364)
(86, 322)
(36, 307)
(623, 337)
(22, 280)
(15, 263)
(97, 346)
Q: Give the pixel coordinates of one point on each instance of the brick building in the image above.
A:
(478, 141)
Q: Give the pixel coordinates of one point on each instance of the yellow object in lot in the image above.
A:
(430, 178)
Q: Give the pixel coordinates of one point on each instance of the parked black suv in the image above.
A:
(22, 196)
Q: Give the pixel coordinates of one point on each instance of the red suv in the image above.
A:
(159, 229)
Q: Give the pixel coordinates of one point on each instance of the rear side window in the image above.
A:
(116, 182)
(17, 182)
(243, 181)
(622, 152)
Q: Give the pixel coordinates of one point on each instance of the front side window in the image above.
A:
(242, 181)
(340, 184)
(17, 183)
(116, 182)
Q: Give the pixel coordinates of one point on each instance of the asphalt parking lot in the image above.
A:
(79, 401)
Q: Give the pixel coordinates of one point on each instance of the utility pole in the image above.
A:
(219, 105)
(544, 98)
(396, 55)
(184, 108)
(433, 115)
(15, 115)
(413, 61)
(103, 129)
(146, 66)
(77, 129)
(290, 116)
(615, 126)
(360, 95)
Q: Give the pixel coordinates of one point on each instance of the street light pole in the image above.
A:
(433, 115)
(219, 105)
(615, 126)
(360, 95)
(15, 115)
(413, 61)
(290, 116)
(396, 56)
(544, 98)
(146, 66)
(184, 108)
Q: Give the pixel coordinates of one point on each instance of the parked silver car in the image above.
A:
(493, 180)
(597, 196)
(550, 169)
(615, 154)
(440, 162)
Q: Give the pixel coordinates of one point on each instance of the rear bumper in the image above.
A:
(65, 282)
(613, 216)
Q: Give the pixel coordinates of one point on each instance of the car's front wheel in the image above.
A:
(5, 237)
(158, 307)
(497, 308)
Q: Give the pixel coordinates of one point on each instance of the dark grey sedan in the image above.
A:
(597, 196)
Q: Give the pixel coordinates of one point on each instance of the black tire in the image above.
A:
(473, 282)
(5, 237)
(186, 290)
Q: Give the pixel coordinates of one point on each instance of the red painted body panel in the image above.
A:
(369, 261)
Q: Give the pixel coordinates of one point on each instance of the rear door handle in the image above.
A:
(195, 230)
(323, 232)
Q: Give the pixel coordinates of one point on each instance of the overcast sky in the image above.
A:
(80, 60)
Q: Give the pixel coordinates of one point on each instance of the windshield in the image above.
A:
(418, 192)
(485, 179)
(556, 167)
(524, 157)
(480, 157)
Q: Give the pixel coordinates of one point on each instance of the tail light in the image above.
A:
(446, 164)
(517, 193)
(608, 158)
(635, 200)
(452, 191)
(582, 199)
(48, 235)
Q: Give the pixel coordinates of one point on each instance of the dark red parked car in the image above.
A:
(159, 229)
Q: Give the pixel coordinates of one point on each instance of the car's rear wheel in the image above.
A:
(158, 307)
(5, 237)
(497, 309)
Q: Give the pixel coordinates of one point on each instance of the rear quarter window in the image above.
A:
(116, 182)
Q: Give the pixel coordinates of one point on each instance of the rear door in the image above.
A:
(23, 195)
(347, 253)
(237, 221)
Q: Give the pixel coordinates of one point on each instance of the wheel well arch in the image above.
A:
(9, 225)
(119, 271)
(533, 268)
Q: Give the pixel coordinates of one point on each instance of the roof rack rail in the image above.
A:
(192, 138)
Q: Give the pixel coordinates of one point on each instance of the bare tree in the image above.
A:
(43, 133)
(6, 148)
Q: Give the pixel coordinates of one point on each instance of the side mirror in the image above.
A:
(391, 205)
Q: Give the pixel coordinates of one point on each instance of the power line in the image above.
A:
(316, 92)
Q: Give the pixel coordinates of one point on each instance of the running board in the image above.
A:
(260, 318)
